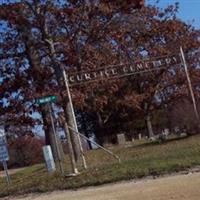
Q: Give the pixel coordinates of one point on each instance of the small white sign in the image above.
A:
(3, 146)
(4, 153)
(48, 156)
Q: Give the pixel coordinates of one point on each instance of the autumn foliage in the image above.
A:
(25, 151)
(40, 39)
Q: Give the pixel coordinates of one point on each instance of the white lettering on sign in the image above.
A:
(123, 70)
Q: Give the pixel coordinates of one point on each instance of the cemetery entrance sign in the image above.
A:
(121, 70)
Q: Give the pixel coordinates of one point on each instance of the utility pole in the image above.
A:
(189, 83)
(5, 166)
(55, 138)
(70, 149)
(69, 111)
(66, 104)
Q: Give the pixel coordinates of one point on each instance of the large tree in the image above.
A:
(149, 33)
(85, 35)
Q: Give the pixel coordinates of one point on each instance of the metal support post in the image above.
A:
(189, 83)
(98, 145)
(74, 118)
(6, 172)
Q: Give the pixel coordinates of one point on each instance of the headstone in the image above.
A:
(152, 139)
(121, 140)
(166, 132)
(183, 134)
(48, 156)
(177, 130)
(139, 136)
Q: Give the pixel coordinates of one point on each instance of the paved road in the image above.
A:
(179, 187)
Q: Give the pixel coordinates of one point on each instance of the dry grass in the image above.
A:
(141, 159)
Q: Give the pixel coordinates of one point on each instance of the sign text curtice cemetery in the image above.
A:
(121, 70)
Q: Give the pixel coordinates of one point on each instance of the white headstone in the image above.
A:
(48, 156)
(121, 140)
(166, 131)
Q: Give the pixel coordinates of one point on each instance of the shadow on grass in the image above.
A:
(157, 142)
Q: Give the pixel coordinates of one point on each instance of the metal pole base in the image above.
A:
(72, 175)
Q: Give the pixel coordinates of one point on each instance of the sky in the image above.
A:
(189, 9)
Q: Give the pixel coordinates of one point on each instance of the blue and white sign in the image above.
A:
(4, 156)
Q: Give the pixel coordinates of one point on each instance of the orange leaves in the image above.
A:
(100, 34)
(78, 99)
(25, 150)
(124, 4)
(12, 12)
(68, 11)
(114, 88)
(132, 100)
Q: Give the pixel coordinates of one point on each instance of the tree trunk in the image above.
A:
(149, 126)
(73, 135)
(85, 130)
(88, 142)
(99, 137)
(34, 62)
(66, 104)
(49, 134)
(70, 149)
(99, 130)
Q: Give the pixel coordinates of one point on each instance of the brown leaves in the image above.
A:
(100, 34)
(12, 13)
(125, 5)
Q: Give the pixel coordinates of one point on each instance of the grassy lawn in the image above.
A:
(139, 160)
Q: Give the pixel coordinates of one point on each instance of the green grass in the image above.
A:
(140, 160)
